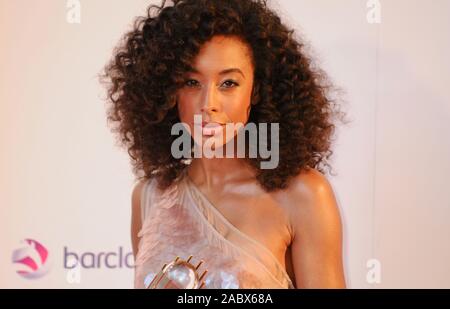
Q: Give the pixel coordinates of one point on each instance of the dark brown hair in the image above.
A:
(149, 66)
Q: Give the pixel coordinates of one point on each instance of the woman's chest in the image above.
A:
(260, 217)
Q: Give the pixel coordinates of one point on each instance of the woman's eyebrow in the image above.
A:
(232, 70)
(223, 72)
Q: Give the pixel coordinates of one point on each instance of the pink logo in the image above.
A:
(31, 259)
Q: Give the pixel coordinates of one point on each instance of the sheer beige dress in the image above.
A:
(180, 221)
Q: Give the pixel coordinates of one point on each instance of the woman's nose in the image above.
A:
(209, 103)
(208, 109)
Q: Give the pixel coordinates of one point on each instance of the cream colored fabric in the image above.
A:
(180, 221)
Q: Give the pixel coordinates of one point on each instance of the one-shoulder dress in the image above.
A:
(181, 221)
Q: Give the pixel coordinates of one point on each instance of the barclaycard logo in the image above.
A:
(31, 260)
(96, 260)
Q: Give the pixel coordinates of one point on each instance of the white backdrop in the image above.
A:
(65, 184)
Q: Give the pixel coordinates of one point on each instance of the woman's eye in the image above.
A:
(191, 83)
(230, 84)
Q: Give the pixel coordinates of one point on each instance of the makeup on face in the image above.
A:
(219, 87)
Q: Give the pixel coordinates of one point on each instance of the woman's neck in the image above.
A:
(217, 172)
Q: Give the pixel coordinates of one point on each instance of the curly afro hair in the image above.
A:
(149, 66)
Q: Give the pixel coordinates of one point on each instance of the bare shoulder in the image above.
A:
(311, 200)
(310, 184)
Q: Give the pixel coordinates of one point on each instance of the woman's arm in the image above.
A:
(316, 247)
(136, 221)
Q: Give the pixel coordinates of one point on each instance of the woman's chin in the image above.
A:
(214, 146)
(210, 142)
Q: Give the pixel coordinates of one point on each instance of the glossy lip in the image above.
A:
(211, 128)
(211, 124)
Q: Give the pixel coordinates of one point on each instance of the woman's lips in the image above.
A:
(211, 128)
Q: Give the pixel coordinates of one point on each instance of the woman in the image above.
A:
(229, 62)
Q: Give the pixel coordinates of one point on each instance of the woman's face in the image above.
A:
(219, 90)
